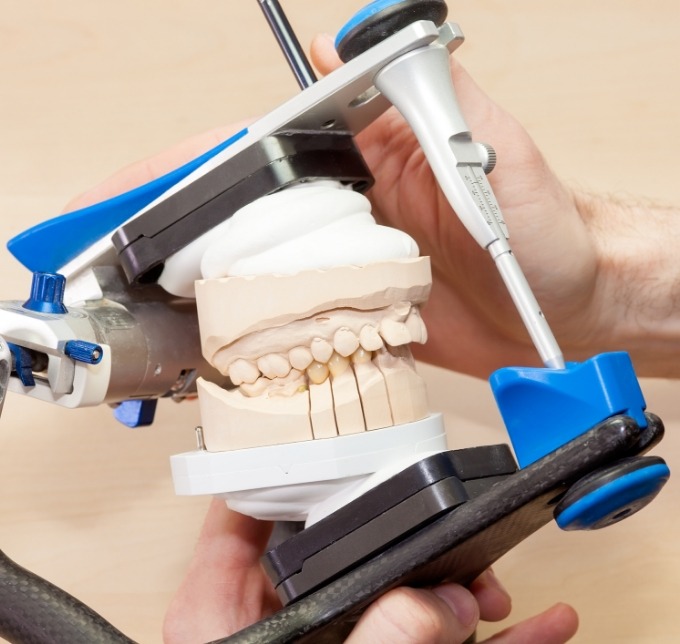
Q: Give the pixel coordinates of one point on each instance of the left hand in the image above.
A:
(226, 589)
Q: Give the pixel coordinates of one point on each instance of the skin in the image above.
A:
(225, 590)
(606, 279)
(583, 255)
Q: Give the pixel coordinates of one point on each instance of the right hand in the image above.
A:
(561, 240)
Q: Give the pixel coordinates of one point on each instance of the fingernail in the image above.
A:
(460, 601)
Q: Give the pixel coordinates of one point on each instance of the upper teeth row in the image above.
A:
(322, 356)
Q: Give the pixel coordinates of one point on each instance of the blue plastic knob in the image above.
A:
(47, 293)
(612, 493)
(84, 351)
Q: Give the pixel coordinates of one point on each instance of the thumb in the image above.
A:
(225, 588)
(323, 54)
(448, 613)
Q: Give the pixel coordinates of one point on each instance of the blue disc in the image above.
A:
(381, 19)
(612, 495)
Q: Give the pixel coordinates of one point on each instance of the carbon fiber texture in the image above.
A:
(458, 546)
(34, 611)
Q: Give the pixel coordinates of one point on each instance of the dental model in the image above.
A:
(309, 307)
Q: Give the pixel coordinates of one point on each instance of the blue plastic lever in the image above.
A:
(51, 244)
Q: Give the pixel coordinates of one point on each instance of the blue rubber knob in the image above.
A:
(47, 293)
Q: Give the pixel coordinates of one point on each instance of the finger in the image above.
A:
(493, 599)
(448, 614)
(225, 588)
(323, 54)
(554, 626)
(142, 172)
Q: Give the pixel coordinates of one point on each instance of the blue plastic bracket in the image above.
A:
(136, 413)
(22, 364)
(544, 409)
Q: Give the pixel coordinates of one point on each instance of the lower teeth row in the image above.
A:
(296, 379)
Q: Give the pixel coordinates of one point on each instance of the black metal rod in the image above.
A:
(290, 46)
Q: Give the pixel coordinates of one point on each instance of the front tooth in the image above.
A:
(373, 393)
(241, 371)
(349, 415)
(361, 356)
(370, 339)
(337, 364)
(321, 410)
(394, 333)
(300, 358)
(322, 350)
(405, 388)
(416, 327)
(345, 341)
(274, 365)
(317, 372)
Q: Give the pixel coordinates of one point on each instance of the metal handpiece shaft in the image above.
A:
(419, 85)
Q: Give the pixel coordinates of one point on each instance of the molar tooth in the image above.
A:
(322, 350)
(254, 389)
(289, 385)
(300, 358)
(337, 364)
(345, 341)
(394, 333)
(416, 327)
(317, 372)
(369, 338)
(361, 356)
(274, 365)
(243, 371)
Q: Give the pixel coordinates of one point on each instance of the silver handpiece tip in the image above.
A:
(555, 362)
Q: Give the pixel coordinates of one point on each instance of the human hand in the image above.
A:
(226, 589)
(602, 270)
(472, 324)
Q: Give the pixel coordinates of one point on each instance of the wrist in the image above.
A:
(636, 301)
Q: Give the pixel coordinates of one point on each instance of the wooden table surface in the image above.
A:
(88, 87)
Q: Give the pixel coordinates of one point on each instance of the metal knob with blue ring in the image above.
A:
(380, 20)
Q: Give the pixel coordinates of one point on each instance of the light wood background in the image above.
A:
(87, 87)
